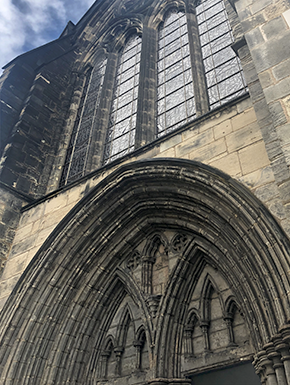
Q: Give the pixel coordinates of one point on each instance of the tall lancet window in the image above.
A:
(121, 132)
(77, 153)
(175, 86)
(223, 70)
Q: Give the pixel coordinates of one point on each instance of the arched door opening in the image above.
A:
(166, 270)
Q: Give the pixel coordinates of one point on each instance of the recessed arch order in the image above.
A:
(51, 323)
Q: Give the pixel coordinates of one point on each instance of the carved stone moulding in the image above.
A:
(169, 381)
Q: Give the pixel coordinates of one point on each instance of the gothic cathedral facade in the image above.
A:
(144, 198)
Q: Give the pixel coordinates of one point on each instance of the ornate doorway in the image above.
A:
(166, 270)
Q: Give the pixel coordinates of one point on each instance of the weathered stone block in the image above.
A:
(278, 91)
(210, 151)
(254, 38)
(43, 234)
(197, 141)
(23, 232)
(22, 247)
(258, 5)
(274, 150)
(167, 153)
(14, 266)
(284, 190)
(7, 286)
(280, 169)
(273, 27)
(284, 134)
(32, 215)
(267, 192)
(229, 164)
(244, 105)
(55, 203)
(277, 209)
(278, 114)
(243, 119)
(170, 142)
(253, 157)
(243, 137)
(253, 22)
(52, 219)
(266, 79)
(282, 70)
(272, 52)
(190, 133)
(217, 119)
(222, 129)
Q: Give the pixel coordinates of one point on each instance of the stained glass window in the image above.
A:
(121, 132)
(175, 86)
(184, 91)
(77, 153)
(223, 71)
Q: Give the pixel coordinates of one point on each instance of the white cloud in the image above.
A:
(11, 31)
(26, 24)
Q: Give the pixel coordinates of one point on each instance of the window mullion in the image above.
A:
(199, 81)
(96, 151)
(146, 106)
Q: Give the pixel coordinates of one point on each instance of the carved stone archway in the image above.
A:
(55, 325)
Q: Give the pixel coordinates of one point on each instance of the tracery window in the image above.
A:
(175, 85)
(121, 132)
(197, 71)
(222, 68)
(223, 71)
(77, 153)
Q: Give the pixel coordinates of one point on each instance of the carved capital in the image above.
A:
(153, 303)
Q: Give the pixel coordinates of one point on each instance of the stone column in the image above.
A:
(282, 346)
(118, 353)
(138, 347)
(229, 323)
(204, 327)
(267, 365)
(104, 362)
(275, 357)
(147, 272)
(188, 340)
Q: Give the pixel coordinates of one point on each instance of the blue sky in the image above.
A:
(26, 24)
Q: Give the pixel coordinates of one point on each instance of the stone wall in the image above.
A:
(38, 108)
(265, 25)
(229, 140)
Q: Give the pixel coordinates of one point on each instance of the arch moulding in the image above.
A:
(55, 323)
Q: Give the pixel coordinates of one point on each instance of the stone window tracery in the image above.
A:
(77, 153)
(121, 132)
(189, 69)
(175, 84)
(223, 71)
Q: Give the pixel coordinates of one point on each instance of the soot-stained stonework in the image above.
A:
(167, 261)
(198, 297)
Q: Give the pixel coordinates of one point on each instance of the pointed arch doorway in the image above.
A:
(167, 270)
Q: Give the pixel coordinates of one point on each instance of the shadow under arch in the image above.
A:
(88, 246)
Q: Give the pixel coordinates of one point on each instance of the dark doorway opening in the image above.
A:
(241, 374)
